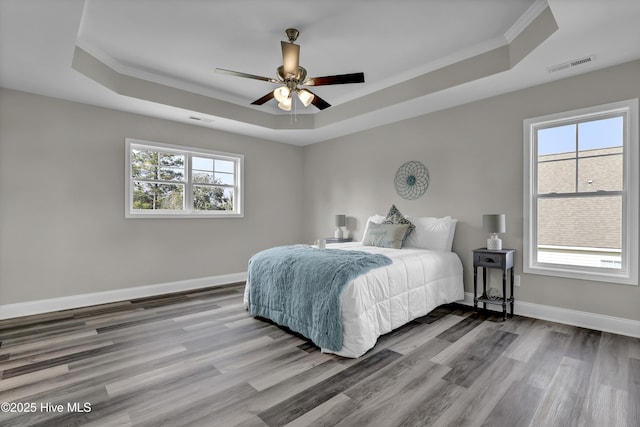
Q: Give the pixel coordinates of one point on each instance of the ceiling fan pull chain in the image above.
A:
(294, 110)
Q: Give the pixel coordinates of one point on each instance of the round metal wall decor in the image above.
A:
(412, 180)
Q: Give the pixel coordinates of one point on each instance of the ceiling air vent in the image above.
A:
(571, 64)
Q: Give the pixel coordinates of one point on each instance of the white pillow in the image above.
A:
(376, 219)
(432, 233)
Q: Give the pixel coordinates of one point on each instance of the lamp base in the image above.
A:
(338, 233)
(494, 243)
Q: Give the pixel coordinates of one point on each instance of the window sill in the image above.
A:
(569, 273)
(182, 215)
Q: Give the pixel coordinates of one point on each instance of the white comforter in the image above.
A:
(386, 298)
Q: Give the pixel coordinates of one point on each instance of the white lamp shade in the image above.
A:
(281, 94)
(494, 223)
(285, 105)
(305, 96)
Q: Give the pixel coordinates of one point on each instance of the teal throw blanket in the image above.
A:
(300, 287)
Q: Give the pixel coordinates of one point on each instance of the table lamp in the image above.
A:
(494, 224)
(341, 221)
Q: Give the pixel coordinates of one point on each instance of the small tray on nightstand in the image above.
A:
(338, 239)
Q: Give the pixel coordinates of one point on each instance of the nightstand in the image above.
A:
(338, 240)
(487, 258)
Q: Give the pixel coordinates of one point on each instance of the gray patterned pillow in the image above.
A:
(385, 235)
(395, 217)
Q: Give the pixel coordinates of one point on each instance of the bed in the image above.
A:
(416, 281)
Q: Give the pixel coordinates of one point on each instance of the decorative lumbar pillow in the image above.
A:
(395, 217)
(385, 235)
(376, 219)
(432, 233)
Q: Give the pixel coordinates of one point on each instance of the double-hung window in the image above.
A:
(172, 181)
(581, 194)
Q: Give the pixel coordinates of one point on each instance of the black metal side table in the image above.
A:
(487, 258)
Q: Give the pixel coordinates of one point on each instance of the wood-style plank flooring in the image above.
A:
(199, 359)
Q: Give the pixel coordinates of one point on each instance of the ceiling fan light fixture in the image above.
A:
(282, 93)
(285, 104)
(305, 96)
(290, 75)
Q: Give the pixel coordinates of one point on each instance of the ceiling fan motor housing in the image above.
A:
(297, 79)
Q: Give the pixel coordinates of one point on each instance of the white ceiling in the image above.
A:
(179, 43)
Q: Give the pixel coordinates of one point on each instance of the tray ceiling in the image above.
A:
(158, 57)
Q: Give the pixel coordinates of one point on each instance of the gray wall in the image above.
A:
(62, 225)
(474, 154)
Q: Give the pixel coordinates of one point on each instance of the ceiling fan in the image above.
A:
(290, 76)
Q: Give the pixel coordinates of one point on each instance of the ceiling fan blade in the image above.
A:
(264, 99)
(335, 80)
(320, 103)
(245, 75)
(290, 58)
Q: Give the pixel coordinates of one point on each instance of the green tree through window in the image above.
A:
(154, 173)
(170, 180)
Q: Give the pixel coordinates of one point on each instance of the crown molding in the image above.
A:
(525, 20)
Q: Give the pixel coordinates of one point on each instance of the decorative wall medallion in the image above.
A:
(412, 180)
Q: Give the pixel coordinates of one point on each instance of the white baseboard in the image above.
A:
(616, 325)
(600, 322)
(10, 311)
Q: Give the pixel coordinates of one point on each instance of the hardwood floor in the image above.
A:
(199, 359)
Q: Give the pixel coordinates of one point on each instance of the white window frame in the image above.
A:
(628, 274)
(188, 152)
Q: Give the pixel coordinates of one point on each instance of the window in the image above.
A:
(581, 194)
(172, 181)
